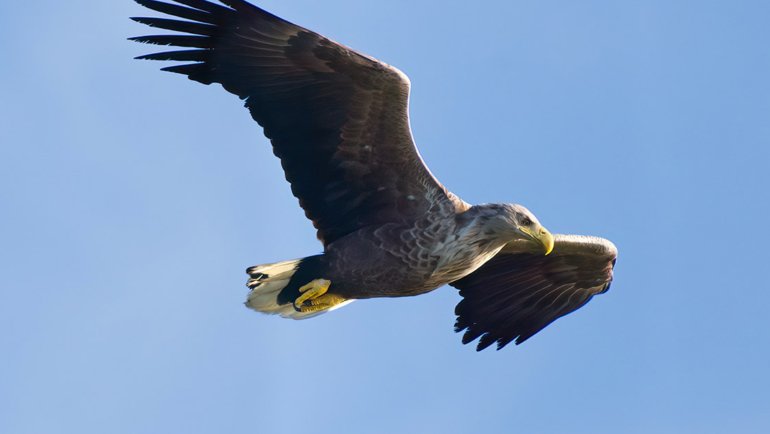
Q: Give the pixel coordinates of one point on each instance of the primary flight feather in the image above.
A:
(338, 121)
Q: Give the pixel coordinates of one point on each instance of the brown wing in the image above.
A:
(518, 293)
(337, 119)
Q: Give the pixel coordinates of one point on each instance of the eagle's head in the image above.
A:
(511, 222)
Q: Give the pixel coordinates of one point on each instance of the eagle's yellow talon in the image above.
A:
(312, 291)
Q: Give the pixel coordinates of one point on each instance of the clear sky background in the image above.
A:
(132, 200)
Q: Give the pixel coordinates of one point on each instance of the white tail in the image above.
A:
(269, 280)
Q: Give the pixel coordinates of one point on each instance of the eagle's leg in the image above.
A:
(314, 297)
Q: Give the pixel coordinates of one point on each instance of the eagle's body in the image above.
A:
(338, 121)
(435, 251)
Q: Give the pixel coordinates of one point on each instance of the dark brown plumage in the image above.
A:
(515, 295)
(338, 120)
(324, 107)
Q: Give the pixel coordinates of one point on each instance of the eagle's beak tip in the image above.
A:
(547, 239)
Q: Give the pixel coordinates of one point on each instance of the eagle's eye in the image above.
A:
(526, 221)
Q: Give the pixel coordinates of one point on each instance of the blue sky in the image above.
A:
(132, 200)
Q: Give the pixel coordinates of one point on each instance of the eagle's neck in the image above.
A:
(474, 242)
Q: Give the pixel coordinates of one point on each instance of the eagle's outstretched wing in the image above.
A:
(519, 292)
(337, 119)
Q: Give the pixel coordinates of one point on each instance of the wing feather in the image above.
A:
(176, 25)
(337, 119)
(519, 292)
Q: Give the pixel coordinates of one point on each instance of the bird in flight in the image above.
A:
(338, 121)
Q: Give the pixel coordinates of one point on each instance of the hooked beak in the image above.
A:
(542, 236)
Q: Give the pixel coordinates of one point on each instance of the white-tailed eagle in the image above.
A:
(338, 121)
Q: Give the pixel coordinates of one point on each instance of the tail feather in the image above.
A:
(275, 286)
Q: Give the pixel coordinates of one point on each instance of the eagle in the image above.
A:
(338, 121)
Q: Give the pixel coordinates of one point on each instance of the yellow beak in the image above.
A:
(542, 236)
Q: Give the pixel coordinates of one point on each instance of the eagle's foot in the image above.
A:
(314, 297)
